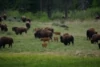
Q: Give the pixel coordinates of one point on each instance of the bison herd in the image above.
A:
(46, 34)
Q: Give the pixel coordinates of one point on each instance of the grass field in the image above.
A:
(28, 51)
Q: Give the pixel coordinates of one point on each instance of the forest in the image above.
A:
(54, 8)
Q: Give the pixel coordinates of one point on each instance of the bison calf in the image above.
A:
(45, 39)
(56, 39)
(44, 44)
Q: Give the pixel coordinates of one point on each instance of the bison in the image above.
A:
(3, 27)
(66, 39)
(45, 39)
(42, 33)
(6, 40)
(50, 29)
(19, 30)
(4, 16)
(28, 25)
(90, 32)
(56, 39)
(0, 19)
(57, 33)
(44, 44)
(95, 38)
(23, 18)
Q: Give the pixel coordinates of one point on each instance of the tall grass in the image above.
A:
(90, 13)
(84, 14)
(46, 60)
(40, 16)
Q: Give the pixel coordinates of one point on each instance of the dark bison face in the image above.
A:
(14, 28)
(3, 27)
(0, 43)
(28, 25)
(61, 39)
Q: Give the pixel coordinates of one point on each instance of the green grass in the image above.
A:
(46, 60)
(28, 43)
(27, 51)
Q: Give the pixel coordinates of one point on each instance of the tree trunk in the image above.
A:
(49, 8)
(41, 6)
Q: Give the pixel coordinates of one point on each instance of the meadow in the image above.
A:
(27, 51)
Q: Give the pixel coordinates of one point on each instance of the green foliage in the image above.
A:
(13, 13)
(41, 16)
(84, 14)
(46, 60)
(57, 15)
(96, 3)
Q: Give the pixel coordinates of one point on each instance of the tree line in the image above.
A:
(48, 5)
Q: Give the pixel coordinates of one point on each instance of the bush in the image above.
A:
(13, 13)
(84, 14)
(57, 15)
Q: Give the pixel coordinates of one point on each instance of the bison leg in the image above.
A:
(3, 45)
(65, 43)
(99, 45)
(10, 45)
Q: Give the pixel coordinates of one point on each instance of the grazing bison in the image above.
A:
(95, 38)
(3, 27)
(6, 40)
(19, 30)
(66, 39)
(23, 18)
(28, 20)
(90, 32)
(4, 16)
(0, 19)
(42, 33)
(50, 29)
(28, 25)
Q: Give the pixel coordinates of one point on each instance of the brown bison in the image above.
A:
(19, 30)
(3, 27)
(4, 16)
(23, 18)
(66, 39)
(50, 29)
(95, 38)
(90, 32)
(28, 25)
(6, 40)
(0, 19)
(42, 33)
